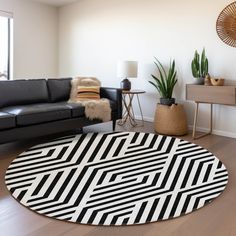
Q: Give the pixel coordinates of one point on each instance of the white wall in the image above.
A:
(95, 34)
(35, 38)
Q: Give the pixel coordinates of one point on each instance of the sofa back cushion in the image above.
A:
(21, 92)
(59, 89)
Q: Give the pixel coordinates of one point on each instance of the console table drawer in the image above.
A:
(225, 95)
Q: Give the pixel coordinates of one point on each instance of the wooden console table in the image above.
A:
(222, 95)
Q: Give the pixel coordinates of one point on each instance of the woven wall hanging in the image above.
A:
(226, 25)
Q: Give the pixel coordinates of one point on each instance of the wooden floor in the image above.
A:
(215, 219)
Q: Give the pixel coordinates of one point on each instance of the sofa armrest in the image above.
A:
(115, 95)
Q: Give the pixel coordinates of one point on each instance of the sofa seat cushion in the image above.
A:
(7, 121)
(38, 113)
(77, 110)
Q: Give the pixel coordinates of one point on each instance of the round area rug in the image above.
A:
(119, 178)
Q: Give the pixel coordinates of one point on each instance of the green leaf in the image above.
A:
(158, 84)
(162, 77)
(166, 80)
(196, 60)
(202, 68)
(195, 70)
(161, 67)
(154, 85)
(206, 66)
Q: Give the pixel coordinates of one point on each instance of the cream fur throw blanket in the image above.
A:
(94, 109)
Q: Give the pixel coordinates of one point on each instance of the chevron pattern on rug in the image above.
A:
(119, 178)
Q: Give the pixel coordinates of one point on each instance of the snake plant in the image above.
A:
(199, 66)
(166, 81)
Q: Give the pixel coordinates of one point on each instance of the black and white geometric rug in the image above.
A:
(119, 178)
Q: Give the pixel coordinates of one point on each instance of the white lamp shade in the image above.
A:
(127, 69)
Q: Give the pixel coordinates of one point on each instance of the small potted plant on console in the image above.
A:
(199, 67)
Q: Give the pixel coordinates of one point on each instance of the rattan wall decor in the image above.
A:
(226, 25)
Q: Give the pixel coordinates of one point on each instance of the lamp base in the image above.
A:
(125, 84)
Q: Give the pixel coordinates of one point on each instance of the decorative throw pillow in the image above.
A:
(88, 93)
(87, 81)
(81, 81)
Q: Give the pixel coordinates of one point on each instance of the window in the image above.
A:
(6, 32)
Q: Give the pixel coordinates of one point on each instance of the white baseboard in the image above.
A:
(200, 129)
(149, 119)
(216, 132)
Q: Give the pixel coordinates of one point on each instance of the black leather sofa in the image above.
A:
(34, 108)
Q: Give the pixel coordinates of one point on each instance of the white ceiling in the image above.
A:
(57, 3)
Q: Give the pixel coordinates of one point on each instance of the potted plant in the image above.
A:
(165, 82)
(199, 67)
(170, 118)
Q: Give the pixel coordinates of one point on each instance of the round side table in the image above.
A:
(128, 112)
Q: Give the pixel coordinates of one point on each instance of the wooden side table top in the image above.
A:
(135, 91)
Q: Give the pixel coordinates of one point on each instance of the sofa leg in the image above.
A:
(114, 125)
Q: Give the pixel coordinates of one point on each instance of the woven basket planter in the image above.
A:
(170, 120)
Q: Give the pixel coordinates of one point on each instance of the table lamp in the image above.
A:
(125, 70)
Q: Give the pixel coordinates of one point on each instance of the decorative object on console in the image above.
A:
(165, 83)
(120, 178)
(226, 24)
(125, 70)
(199, 67)
(94, 108)
(217, 82)
(207, 80)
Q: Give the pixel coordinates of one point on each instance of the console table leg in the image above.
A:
(195, 122)
(211, 123)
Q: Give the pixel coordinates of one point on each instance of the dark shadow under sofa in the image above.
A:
(34, 108)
